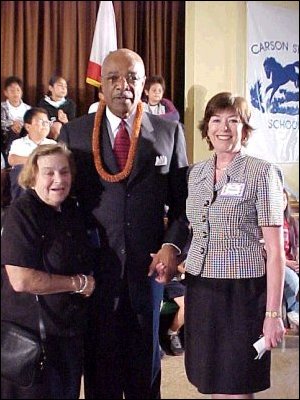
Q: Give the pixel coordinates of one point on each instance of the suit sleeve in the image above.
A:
(177, 232)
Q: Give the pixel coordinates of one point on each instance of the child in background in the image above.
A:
(174, 292)
(155, 103)
(94, 106)
(60, 108)
(37, 126)
(12, 113)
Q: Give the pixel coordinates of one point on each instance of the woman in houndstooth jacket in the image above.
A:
(234, 285)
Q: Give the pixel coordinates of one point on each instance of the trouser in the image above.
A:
(122, 351)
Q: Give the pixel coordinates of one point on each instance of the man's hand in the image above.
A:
(164, 264)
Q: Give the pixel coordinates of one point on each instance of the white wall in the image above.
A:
(215, 61)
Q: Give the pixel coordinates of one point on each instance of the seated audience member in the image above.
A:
(60, 108)
(37, 126)
(12, 113)
(291, 246)
(5, 187)
(94, 107)
(174, 292)
(154, 101)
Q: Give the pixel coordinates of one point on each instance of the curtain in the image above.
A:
(39, 39)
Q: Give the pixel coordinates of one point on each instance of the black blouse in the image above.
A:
(37, 236)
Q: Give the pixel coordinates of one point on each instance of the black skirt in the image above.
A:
(223, 318)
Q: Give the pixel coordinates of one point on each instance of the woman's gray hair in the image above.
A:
(27, 176)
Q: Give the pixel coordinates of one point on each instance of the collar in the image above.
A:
(234, 167)
(235, 171)
(9, 105)
(115, 121)
(28, 140)
(53, 103)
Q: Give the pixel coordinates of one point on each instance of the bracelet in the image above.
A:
(73, 283)
(81, 283)
(272, 314)
(84, 285)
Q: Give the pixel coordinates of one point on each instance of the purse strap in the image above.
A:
(42, 328)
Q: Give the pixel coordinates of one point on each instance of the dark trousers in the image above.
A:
(122, 352)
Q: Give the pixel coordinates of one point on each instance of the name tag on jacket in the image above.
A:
(233, 189)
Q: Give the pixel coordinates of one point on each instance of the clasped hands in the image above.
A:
(164, 264)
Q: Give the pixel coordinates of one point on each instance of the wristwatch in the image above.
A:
(272, 314)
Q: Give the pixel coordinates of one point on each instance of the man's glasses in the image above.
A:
(44, 122)
(130, 78)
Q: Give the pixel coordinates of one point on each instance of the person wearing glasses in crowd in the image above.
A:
(61, 109)
(37, 126)
(12, 113)
(124, 197)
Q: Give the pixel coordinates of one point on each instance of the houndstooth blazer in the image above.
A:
(227, 225)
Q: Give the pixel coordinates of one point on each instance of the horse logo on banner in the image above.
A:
(278, 96)
(280, 75)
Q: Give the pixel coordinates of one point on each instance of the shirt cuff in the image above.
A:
(171, 244)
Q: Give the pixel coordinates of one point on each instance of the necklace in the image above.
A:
(132, 150)
(221, 169)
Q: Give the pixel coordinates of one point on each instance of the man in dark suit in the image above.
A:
(126, 205)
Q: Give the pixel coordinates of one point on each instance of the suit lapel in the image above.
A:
(143, 154)
(144, 150)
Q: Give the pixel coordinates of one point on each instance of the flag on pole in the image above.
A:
(104, 41)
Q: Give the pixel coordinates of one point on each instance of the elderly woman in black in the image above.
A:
(45, 252)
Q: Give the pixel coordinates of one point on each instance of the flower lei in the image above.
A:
(132, 150)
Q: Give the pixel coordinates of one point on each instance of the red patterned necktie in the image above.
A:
(121, 145)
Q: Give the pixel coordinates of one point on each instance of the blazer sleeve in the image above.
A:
(177, 231)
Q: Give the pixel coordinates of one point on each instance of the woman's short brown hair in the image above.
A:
(223, 101)
(27, 176)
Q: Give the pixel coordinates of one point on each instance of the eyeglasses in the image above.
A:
(44, 122)
(130, 78)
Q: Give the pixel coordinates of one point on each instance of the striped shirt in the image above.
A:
(227, 224)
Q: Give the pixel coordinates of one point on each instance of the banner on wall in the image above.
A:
(273, 82)
(104, 41)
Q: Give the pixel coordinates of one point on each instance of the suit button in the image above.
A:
(127, 194)
(123, 251)
(128, 223)
(202, 250)
(204, 235)
(206, 203)
(203, 218)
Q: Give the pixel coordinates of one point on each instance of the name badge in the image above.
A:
(233, 189)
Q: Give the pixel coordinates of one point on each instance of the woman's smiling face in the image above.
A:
(225, 131)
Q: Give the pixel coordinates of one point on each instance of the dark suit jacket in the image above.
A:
(130, 214)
